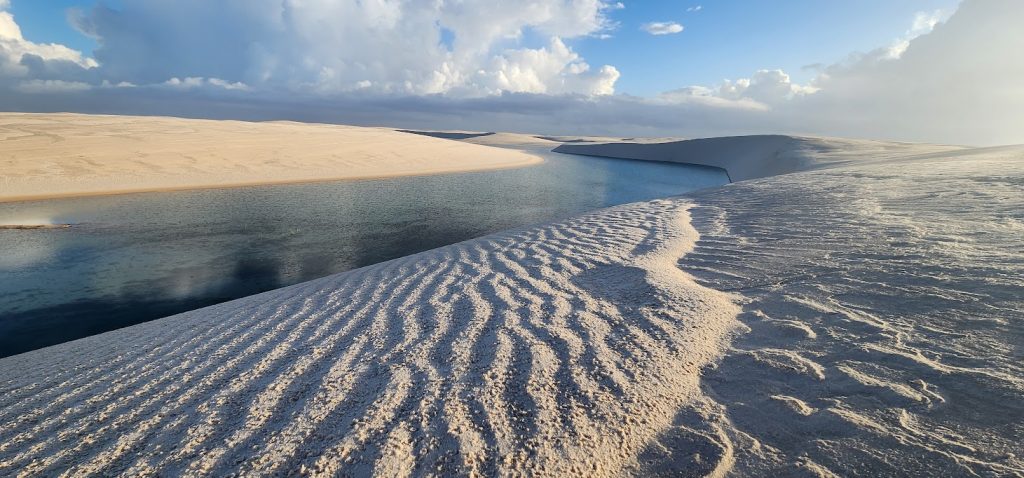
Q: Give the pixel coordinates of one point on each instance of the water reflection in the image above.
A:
(133, 258)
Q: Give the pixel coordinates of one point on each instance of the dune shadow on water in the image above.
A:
(26, 330)
(253, 272)
(445, 134)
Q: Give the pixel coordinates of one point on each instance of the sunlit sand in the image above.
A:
(55, 155)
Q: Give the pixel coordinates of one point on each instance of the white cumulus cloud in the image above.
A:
(555, 69)
(14, 49)
(661, 28)
(389, 47)
(924, 22)
(193, 82)
(761, 91)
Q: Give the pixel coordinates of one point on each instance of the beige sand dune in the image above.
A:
(52, 155)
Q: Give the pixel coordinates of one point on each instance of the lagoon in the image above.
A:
(132, 258)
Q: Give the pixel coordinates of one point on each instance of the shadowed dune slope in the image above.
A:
(748, 157)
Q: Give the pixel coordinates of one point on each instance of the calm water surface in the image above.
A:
(133, 258)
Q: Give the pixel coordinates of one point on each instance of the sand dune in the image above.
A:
(749, 157)
(884, 315)
(51, 155)
(861, 320)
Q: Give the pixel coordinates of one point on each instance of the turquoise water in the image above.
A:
(138, 257)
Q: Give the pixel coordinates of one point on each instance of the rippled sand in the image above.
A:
(557, 349)
(884, 318)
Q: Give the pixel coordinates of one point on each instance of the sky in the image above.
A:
(917, 70)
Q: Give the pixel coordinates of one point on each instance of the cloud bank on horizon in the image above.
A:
(953, 77)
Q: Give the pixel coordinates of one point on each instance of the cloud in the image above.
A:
(123, 84)
(388, 47)
(661, 28)
(185, 83)
(696, 8)
(924, 22)
(555, 69)
(709, 97)
(15, 49)
(764, 89)
(765, 86)
(957, 83)
(51, 86)
(193, 82)
(227, 85)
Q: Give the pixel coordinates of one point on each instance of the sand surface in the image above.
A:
(863, 319)
(53, 155)
(883, 318)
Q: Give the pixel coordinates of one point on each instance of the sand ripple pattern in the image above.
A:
(884, 308)
(559, 349)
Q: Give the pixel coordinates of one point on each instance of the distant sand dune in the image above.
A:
(749, 157)
(53, 155)
(560, 349)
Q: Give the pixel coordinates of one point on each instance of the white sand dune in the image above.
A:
(861, 320)
(560, 349)
(53, 155)
(750, 157)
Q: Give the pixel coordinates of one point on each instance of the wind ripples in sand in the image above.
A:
(884, 308)
(559, 349)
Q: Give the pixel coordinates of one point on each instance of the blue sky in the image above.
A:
(920, 70)
(723, 39)
(46, 21)
(729, 39)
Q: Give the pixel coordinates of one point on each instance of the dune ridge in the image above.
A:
(559, 349)
(59, 155)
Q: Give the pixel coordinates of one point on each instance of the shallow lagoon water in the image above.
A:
(138, 257)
